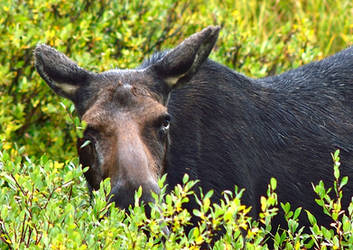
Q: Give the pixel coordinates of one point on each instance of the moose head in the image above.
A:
(126, 111)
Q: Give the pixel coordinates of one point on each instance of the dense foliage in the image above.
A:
(43, 198)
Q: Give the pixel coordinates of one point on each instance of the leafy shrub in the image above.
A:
(45, 204)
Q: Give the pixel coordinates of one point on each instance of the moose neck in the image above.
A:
(216, 107)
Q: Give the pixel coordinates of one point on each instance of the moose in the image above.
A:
(180, 112)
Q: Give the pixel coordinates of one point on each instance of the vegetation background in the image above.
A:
(43, 199)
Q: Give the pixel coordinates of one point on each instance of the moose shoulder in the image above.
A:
(180, 112)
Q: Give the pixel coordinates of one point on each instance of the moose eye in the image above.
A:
(88, 141)
(85, 143)
(165, 122)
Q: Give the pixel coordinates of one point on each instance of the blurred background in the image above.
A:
(258, 38)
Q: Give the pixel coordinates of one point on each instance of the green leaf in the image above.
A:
(320, 202)
(346, 224)
(209, 194)
(316, 230)
(297, 213)
(336, 242)
(185, 178)
(310, 244)
(62, 105)
(292, 225)
(327, 233)
(344, 182)
(278, 239)
(285, 207)
(196, 212)
(320, 189)
(336, 172)
(206, 204)
(161, 181)
(273, 182)
(311, 218)
(72, 108)
(336, 155)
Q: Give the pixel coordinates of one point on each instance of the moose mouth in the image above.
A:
(123, 196)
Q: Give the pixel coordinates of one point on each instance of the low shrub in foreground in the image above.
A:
(45, 204)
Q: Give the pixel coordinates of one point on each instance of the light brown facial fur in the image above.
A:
(126, 127)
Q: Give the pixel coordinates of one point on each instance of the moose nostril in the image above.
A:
(153, 186)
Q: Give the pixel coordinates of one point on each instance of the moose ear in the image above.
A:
(62, 74)
(182, 62)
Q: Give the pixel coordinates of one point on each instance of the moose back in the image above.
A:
(180, 112)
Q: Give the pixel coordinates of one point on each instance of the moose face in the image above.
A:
(126, 138)
(127, 130)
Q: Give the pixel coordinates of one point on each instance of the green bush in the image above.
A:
(44, 202)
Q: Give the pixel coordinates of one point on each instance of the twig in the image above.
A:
(18, 185)
(4, 232)
(24, 228)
